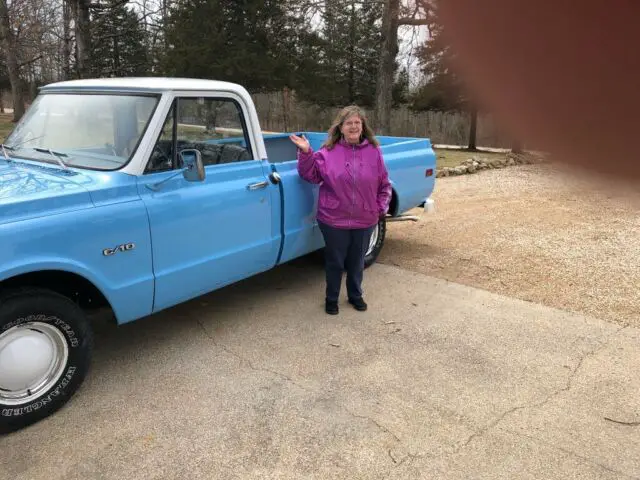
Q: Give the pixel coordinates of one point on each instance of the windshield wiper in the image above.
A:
(4, 151)
(57, 155)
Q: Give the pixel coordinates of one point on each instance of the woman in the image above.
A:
(354, 194)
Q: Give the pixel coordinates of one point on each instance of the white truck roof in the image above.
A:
(163, 85)
(147, 84)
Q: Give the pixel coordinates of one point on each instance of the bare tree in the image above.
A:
(395, 14)
(81, 18)
(9, 46)
(154, 15)
(38, 45)
(386, 67)
(37, 38)
(66, 39)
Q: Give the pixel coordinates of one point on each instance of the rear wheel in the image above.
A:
(45, 351)
(376, 243)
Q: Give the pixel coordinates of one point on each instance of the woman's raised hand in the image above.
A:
(301, 142)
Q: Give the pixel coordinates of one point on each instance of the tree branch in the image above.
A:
(100, 6)
(413, 21)
(29, 61)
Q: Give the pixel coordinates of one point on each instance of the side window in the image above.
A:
(213, 126)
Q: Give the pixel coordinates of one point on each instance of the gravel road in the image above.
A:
(533, 232)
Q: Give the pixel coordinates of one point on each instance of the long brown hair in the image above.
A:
(335, 134)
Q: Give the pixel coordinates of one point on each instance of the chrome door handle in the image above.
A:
(256, 186)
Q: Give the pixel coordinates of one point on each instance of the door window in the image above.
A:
(213, 126)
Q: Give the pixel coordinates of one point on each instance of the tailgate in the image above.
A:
(411, 163)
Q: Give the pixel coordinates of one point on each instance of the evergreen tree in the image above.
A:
(118, 41)
(347, 54)
(400, 93)
(444, 89)
(251, 42)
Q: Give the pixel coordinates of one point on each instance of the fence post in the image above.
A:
(286, 107)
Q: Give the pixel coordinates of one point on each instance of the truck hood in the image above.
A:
(33, 190)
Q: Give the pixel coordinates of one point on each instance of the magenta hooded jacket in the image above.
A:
(354, 183)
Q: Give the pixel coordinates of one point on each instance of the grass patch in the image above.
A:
(6, 125)
(453, 158)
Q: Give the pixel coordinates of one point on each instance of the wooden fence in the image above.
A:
(281, 112)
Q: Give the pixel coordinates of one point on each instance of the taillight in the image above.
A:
(429, 172)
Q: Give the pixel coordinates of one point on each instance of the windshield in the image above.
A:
(95, 131)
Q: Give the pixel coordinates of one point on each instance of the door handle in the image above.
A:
(257, 186)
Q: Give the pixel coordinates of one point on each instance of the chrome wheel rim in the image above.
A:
(33, 357)
(374, 239)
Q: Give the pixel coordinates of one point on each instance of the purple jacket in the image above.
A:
(354, 183)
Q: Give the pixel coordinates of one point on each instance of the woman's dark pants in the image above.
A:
(345, 249)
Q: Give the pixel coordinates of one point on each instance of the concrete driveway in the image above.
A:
(436, 380)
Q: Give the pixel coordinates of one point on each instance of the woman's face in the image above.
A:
(352, 128)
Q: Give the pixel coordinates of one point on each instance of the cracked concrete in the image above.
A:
(573, 373)
(285, 377)
(436, 380)
(574, 454)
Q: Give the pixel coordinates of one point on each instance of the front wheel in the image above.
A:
(45, 351)
(376, 243)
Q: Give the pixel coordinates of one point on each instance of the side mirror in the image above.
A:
(192, 166)
(192, 169)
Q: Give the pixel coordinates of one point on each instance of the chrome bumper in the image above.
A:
(428, 207)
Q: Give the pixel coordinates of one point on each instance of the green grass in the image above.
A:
(5, 125)
(453, 158)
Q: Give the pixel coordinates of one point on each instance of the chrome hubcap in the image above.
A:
(32, 359)
(374, 239)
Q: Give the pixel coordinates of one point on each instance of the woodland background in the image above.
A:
(301, 59)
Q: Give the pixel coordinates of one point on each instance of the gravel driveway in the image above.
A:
(532, 232)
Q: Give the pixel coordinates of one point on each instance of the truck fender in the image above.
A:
(52, 266)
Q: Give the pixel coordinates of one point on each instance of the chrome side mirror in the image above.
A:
(192, 166)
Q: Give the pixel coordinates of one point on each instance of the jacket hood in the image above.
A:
(362, 144)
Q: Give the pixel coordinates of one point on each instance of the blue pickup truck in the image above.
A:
(138, 194)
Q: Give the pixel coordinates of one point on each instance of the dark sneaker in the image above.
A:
(358, 304)
(331, 307)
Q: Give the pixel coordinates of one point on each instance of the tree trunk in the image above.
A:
(516, 146)
(116, 57)
(473, 112)
(165, 26)
(33, 84)
(66, 41)
(83, 43)
(9, 47)
(352, 60)
(386, 67)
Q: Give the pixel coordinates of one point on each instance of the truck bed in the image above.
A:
(411, 163)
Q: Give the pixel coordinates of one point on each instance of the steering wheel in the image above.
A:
(113, 149)
(159, 159)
